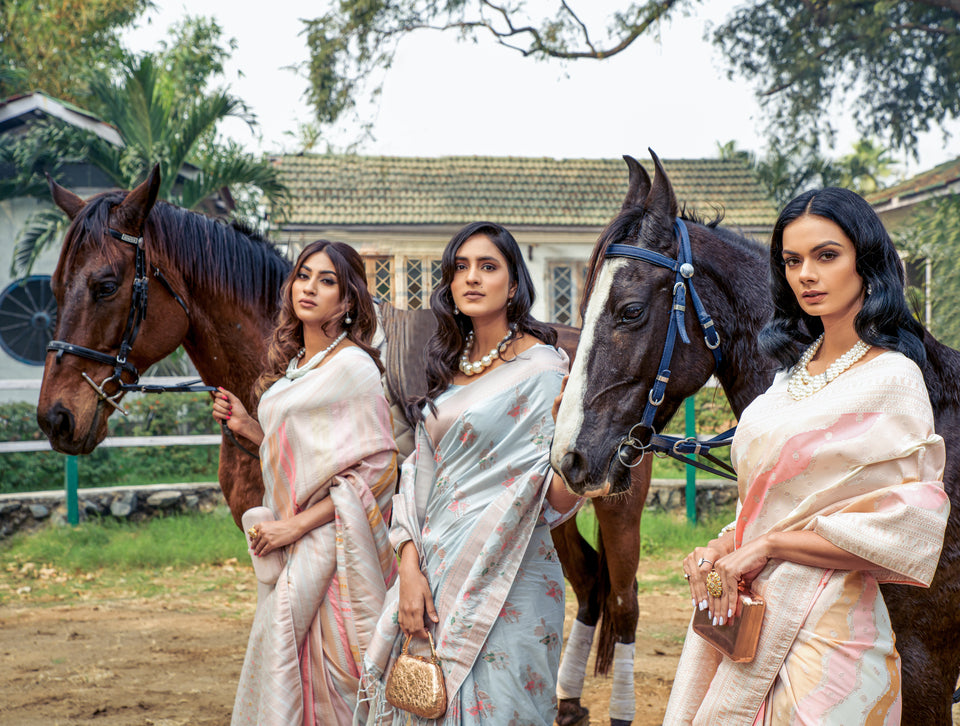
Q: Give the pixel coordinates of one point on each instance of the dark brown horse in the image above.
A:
(625, 322)
(214, 290)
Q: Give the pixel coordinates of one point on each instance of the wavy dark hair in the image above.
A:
(287, 336)
(884, 320)
(444, 347)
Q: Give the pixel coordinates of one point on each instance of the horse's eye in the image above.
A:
(104, 289)
(631, 313)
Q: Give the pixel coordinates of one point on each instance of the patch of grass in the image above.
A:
(178, 541)
(663, 533)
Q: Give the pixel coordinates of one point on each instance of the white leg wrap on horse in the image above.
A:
(623, 701)
(573, 663)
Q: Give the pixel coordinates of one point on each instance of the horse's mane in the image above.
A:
(626, 227)
(231, 259)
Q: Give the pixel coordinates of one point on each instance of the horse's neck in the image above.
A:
(228, 350)
(740, 304)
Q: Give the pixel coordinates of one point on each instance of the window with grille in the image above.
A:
(380, 277)
(566, 284)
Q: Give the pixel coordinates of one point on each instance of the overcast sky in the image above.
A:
(444, 97)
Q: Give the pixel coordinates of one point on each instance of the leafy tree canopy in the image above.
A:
(896, 63)
(57, 46)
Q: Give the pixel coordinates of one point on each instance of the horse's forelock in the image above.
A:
(88, 232)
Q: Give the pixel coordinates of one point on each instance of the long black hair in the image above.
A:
(884, 320)
(443, 349)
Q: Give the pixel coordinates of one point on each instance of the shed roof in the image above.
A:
(939, 178)
(394, 190)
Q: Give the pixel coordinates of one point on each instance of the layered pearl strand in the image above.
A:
(802, 384)
(293, 372)
(472, 369)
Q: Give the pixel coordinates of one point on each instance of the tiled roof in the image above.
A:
(382, 190)
(927, 181)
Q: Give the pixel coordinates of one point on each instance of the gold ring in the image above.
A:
(714, 585)
(253, 532)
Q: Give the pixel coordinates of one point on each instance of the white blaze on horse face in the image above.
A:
(570, 415)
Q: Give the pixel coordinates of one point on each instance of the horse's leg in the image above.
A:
(619, 519)
(240, 480)
(580, 566)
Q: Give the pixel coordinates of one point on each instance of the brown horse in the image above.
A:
(625, 323)
(214, 289)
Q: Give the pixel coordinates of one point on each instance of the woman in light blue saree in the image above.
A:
(477, 499)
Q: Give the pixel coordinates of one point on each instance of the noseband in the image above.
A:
(673, 446)
(138, 311)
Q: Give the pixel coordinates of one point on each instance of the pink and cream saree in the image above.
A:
(327, 433)
(859, 463)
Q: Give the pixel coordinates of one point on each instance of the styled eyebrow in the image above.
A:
(321, 272)
(479, 259)
(828, 243)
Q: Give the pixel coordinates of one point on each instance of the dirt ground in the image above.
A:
(113, 657)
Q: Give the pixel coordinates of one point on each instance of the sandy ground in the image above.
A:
(113, 658)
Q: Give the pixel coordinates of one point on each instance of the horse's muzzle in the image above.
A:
(576, 474)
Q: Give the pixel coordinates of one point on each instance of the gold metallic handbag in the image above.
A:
(416, 683)
(737, 640)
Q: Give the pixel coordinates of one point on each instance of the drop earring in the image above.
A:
(456, 310)
(869, 289)
(347, 320)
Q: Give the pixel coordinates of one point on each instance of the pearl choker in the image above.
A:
(293, 372)
(472, 369)
(802, 384)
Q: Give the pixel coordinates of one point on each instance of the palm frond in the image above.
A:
(42, 229)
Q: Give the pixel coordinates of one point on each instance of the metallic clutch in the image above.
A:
(738, 640)
(416, 683)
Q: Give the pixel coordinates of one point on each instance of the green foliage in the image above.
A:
(150, 415)
(935, 235)
(164, 108)
(109, 544)
(57, 46)
(663, 533)
(894, 65)
(356, 40)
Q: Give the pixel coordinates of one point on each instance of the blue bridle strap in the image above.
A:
(683, 270)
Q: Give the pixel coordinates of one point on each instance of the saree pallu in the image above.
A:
(859, 463)
(327, 433)
(472, 500)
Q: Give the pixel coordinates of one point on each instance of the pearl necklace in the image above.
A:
(802, 384)
(472, 369)
(293, 372)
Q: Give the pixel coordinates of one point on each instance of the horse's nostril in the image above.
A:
(59, 422)
(573, 468)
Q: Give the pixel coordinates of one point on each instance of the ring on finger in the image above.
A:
(714, 584)
(253, 532)
(686, 576)
(702, 561)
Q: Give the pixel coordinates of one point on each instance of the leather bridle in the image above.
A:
(674, 446)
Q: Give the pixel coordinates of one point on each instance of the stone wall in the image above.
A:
(29, 511)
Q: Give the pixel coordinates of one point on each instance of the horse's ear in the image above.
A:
(135, 208)
(639, 184)
(69, 202)
(661, 200)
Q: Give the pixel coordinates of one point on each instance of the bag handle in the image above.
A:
(433, 652)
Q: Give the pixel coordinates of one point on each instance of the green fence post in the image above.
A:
(70, 483)
(691, 491)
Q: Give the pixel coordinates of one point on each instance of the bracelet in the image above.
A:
(729, 528)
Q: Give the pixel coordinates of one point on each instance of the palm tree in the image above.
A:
(157, 127)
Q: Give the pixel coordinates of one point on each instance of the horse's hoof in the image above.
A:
(572, 714)
(619, 722)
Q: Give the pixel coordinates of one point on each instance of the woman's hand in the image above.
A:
(739, 566)
(274, 535)
(559, 398)
(416, 600)
(698, 564)
(230, 410)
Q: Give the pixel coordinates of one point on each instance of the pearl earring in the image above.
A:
(347, 320)
(456, 310)
(869, 289)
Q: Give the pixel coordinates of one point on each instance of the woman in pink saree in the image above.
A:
(839, 473)
(329, 469)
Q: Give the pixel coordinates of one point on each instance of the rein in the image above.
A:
(136, 316)
(674, 446)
